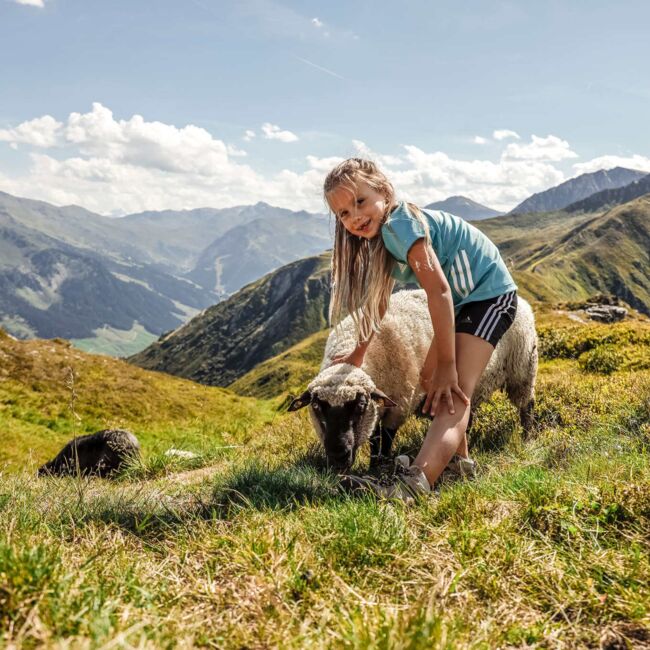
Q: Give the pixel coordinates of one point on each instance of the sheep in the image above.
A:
(350, 405)
(100, 454)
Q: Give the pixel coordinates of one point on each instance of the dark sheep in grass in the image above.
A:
(99, 454)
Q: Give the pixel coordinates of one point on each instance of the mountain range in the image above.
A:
(553, 257)
(114, 285)
(609, 198)
(258, 322)
(464, 207)
(578, 188)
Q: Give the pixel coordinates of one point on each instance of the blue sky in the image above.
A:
(127, 105)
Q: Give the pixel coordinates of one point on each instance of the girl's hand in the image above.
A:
(355, 358)
(441, 387)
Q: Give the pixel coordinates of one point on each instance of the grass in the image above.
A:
(36, 418)
(254, 546)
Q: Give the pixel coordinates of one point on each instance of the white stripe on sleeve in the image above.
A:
(468, 268)
(461, 275)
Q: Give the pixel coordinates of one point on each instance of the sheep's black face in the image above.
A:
(340, 425)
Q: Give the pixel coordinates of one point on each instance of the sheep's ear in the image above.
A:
(382, 399)
(300, 402)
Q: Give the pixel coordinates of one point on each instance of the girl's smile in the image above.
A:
(361, 211)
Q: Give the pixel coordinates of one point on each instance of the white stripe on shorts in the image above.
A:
(487, 317)
(502, 311)
(494, 319)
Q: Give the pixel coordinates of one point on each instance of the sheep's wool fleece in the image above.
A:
(392, 362)
(341, 383)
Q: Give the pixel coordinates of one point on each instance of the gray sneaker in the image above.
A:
(404, 484)
(403, 461)
(459, 467)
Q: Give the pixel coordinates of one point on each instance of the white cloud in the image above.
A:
(31, 3)
(363, 151)
(550, 148)
(323, 164)
(480, 140)
(274, 132)
(248, 135)
(316, 23)
(642, 163)
(40, 132)
(234, 151)
(503, 134)
(116, 166)
(500, 185)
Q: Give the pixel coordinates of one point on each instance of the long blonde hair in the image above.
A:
(362, 268)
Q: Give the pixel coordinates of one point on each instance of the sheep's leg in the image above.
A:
(527, 418)
(375, 445)
(387, 437)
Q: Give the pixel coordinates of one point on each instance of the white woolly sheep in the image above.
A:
(349, 405)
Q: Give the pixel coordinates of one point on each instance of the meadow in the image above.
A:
(251, 544)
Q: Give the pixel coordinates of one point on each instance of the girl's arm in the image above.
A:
(440, 364)
(357, 355)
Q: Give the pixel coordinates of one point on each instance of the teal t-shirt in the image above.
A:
(470, 261)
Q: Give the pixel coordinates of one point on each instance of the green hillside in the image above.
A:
(50, 391)
(285, 373)
(263, 319)
(554, 257)
(547, 548)
(559, 257)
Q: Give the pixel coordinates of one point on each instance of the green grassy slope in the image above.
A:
(285, 373)
(42, 405)
(263, 319)
(556, 256)
(549, 547)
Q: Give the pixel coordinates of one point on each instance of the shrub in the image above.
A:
(604, 359)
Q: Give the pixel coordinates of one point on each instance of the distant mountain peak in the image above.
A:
(578, 188)
(464, 207)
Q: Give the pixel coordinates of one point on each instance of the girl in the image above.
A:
(472, 301)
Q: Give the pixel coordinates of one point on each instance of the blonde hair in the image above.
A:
(362, 268)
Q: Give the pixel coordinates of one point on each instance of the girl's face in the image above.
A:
(361, 211)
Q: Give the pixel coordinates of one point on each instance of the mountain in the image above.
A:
(114, 285)
(464, 207)
(249, 251)
(49, 288)
(553, 257)
(258, 322)
(611, 198)
(180, 238)
(609, 253)
(576, 189)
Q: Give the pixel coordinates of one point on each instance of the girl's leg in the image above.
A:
(446, 435)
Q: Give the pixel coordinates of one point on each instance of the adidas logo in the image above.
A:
(467, 319)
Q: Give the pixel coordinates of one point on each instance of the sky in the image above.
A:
(123, 106)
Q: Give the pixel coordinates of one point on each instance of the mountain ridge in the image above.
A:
(464, 207)
(565, 257)
(576, 189)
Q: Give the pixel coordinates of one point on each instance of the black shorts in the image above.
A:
(488, 319)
